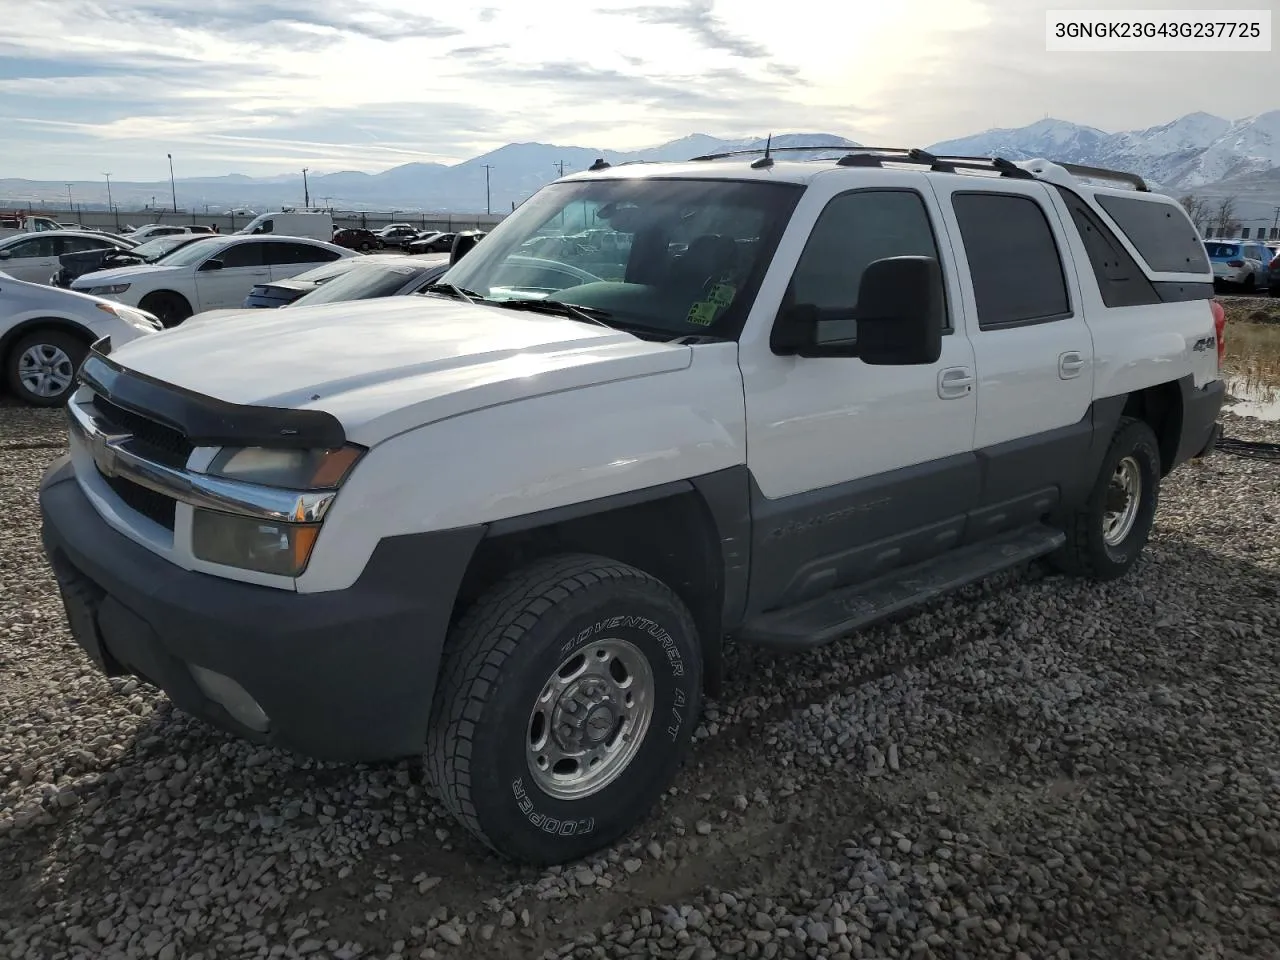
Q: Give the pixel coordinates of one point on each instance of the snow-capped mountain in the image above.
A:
(1188, 152)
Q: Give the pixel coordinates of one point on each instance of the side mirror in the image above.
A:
(211, 265)
(462, 244)
(898, 320)
(5, 254)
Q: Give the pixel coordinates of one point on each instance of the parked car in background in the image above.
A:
(1239, 263)
(45, 334)
(152, 230)
(271, 294)
(440, 243)
(396, 234)
(211, 273)
(73, 265)
(12, 226)
(34, 256)
(356, 238)
(367, 278)
(1274, 270)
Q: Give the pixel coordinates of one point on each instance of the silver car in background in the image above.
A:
(45, 333)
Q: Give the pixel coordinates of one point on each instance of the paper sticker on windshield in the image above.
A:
(722, 294)
(703, 313)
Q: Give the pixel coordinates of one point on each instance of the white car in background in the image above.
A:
(152, 230)
(209, 274)
(45, 333)
(34, 256)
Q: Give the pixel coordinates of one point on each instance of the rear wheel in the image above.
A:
(169, 308)
(566, 703)
(1249, 283)
(1106, 535)
(43, 365)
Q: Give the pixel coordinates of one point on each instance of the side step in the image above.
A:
(829, 617)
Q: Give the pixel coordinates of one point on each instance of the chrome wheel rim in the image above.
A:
(1124, 494)
(45, 370)
(590, 719)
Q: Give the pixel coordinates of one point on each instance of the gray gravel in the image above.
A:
(1035, 768)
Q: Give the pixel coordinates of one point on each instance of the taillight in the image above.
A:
(1235, 263)
(1219, 328)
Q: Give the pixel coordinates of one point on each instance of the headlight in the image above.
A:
(138, 319)
(293, 469)
(108, 290)
(279, 548)
(269, 546)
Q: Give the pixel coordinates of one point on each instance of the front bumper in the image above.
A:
(343, 675)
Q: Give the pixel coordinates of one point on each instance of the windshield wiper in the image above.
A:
(561, 309)
(451, 290)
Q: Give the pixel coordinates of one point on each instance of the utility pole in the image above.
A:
(1275, 224)
(487, 168)
(173, 186)
(70, 206)
(306, 194)
(559, 165)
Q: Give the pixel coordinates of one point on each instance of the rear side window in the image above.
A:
(1162, 233)
(1222, 249)
(1121, 281)
(291, 253)
(1013, 260)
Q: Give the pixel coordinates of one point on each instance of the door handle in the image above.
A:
(954, 382)
(1070, 364)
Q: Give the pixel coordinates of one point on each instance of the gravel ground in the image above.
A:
(1035, 768)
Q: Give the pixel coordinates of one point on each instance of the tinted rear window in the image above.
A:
(1162, 232)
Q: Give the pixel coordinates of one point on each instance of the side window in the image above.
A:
(1121, 281)
(1014, 260)
(242, 255)
(1161, 232)
(82, 244)
(290, 253)
(35, 247)
(853, 231)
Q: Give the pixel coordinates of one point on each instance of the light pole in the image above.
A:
(487, 209)
(70, 206)
(306, 194)
(173, 187)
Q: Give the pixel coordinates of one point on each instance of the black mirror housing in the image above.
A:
(901, 312)
(211, 265)
(462, 244)
(898, 321)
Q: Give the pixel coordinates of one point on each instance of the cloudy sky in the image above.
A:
(263, 86)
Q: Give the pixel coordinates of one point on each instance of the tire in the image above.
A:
(169, 308)
(1249, 283)
(505, 655)
(43, 364)
(1089, 552)
(365, 246)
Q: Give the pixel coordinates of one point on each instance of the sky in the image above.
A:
(265, 86)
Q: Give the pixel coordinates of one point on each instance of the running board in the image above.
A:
(835, 614)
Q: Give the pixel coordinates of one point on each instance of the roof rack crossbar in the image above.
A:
(1101, 173)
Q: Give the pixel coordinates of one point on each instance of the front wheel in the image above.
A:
(43, 366)
(1106, 535)
(169, 308)
(567, 700)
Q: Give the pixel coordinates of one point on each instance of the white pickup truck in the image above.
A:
(508, 526)
(12, 226)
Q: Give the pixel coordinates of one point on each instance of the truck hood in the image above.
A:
(101, 278)
(388, 365)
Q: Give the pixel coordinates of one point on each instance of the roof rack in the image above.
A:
(1101, 173)
(876, 156)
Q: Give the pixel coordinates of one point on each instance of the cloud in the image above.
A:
(696, 17)
(307, 23)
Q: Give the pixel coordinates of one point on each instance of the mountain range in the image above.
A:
(1198, 153)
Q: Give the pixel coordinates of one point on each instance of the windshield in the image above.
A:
(1222, 249)
(682, 257)
(194, 252)
(362, 283)
(153, 250)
